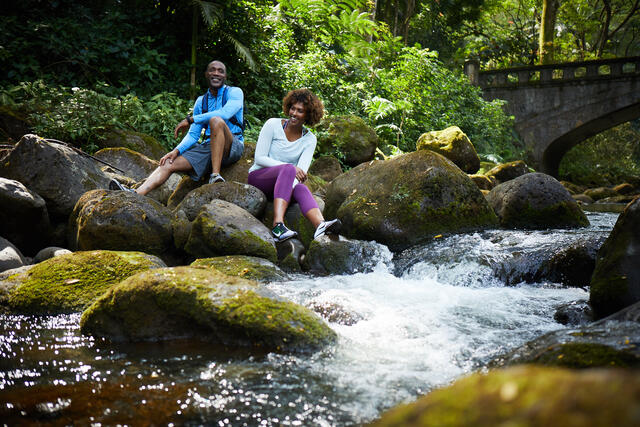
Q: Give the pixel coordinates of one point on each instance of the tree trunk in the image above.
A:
(547, 30)
(194, 42)
(604, 36)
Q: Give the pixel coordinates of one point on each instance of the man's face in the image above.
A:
(216, 74)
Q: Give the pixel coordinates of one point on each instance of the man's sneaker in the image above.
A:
(215, 177)
(115, 185)
(281, 233)
(327, 227)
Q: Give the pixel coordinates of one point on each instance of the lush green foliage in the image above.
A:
(607, 158)
(79, 116)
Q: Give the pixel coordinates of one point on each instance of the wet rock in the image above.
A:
(336, 313)
(624, 189)
(70, 283)
(184, 187)
(120, 220)
(222, 228)
(295, 220)
(600, 193)
(527, 396)
(349, 135)
(508, 171)
(326, 167)
(618, 199)
(615, 283)
(573, 265)
(290, 255)
(601, 344)
(535, 201)
(204, 304)
(24, 219)
(56, 172)
(407, 200)
(575, 313)
(454, 145)
(339, 255)
(134, 141)
(49, 252)
(245, 196)
(10, 256)
(247, 267)
(582, 198)
(483, 182)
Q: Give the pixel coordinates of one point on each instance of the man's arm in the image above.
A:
(235, 100)
(194, 130)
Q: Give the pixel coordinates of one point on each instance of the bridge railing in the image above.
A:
(553, 73)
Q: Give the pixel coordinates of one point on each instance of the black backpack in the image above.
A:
(205, 109)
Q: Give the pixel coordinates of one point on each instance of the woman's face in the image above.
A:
(297, 113)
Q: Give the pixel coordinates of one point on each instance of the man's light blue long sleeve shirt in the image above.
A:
(233, 107)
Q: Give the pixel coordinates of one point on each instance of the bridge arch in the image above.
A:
(558, 106)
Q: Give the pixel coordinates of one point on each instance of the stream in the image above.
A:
(418, 321)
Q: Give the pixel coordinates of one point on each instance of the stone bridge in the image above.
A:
(560, 105)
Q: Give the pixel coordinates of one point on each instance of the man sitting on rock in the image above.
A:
(220, 112)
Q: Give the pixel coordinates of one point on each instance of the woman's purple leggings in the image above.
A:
(276, 182)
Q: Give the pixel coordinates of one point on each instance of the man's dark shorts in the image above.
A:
(199, 156)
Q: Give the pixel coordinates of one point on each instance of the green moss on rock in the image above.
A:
(527, 396)
(70, 283)
(248, 267)
(586, 355)
(206, 304)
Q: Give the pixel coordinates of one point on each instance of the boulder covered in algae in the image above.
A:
(247, 267)
(527, 396)
(71, 282)
(187, 302)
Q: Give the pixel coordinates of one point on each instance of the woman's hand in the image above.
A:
(169, 157)
(301, 175)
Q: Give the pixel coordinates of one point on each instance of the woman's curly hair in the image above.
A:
(312, 105)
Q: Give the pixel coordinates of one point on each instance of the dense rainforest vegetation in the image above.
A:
(78, 67)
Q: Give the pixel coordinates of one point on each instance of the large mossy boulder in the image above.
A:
(508, 171)
(120, 220)
(535, 201)
(71, 282)
(245, 196)
(222, 228)
(527, 396)
(247, 267)
(349, 135)
(131, 163)
(59, 174)
(135, 141)
(338, 255)
(615, 283)
(454, 145)
(407, 200)
(187, 302)
(326, 167)
(24, 219)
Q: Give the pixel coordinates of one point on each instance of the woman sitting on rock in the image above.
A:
(283, 154)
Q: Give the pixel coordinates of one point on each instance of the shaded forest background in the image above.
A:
(75, 68)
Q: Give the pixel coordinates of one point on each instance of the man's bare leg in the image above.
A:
(162, 173)
(221, 139)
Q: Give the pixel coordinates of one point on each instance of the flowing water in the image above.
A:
(419, 321)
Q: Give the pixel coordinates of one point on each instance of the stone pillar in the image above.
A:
(472, 71)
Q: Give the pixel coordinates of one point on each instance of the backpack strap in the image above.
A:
(205, 109)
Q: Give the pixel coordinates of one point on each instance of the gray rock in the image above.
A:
(326, 167)
(454, 145)
(577, 313)
(222, 228)
(10, 256)
(120, 220)
(535, 201)
(351, 136)
(24, 219)
(49, 252)
(245, 196)
(508, 171)
(59, 174)
(334, 254)
(247, 267)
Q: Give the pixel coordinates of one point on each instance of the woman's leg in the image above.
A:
(275, 181)
(308, 204)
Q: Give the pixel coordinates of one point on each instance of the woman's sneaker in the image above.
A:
(281, 233)
(215, 177)
(327, 227)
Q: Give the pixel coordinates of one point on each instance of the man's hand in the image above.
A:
(182, 127)
(301, 175)
(169, 157)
